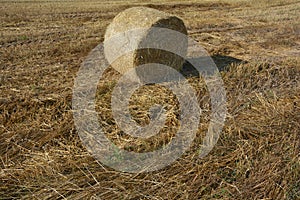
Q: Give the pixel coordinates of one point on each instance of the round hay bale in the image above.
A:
(153, 24)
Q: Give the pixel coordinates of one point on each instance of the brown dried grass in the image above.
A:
(257, 156)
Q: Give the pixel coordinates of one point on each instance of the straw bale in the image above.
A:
(149, 20)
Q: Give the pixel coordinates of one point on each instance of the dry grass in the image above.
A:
(42, 45)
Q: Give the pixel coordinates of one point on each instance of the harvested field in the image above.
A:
(256, 46)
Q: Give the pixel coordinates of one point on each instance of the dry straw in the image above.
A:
(149, 20)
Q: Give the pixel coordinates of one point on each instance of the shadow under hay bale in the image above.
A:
(222, 63)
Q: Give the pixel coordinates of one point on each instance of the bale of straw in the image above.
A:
(150, 20)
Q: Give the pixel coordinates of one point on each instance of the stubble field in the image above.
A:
(256, 46)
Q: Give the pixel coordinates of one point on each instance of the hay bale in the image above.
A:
(149, 20)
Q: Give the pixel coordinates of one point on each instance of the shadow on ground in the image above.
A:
(222, 63)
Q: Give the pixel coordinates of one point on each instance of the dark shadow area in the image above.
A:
(222, 63)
